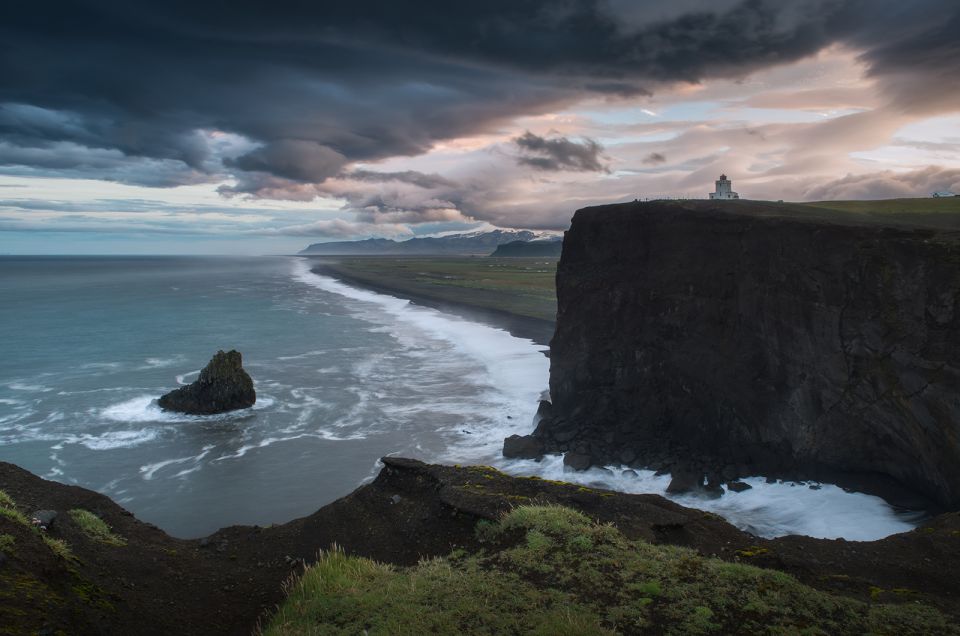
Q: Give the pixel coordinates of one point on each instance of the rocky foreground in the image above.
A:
(125, 576)
(726, 339)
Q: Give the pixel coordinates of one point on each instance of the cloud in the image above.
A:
(294, 159)
(413, 177)
(512, 113)
(424, 214)
(68, 159)
(887, 185)
(317, 87)
(121, 216)
(339, 229)
(913, 51)
(829, 98)
(559, 153)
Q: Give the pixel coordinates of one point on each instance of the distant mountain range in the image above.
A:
(469, 244)
(549, 247)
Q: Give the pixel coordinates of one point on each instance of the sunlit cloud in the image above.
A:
(355, 131)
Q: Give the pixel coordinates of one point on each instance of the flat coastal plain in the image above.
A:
(518, 294)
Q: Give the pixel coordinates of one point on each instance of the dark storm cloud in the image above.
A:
(317, 86)
(293, 159)
(67, 159)
(559, 153)
(918, 62)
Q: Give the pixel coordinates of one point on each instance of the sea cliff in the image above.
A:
(750, 337)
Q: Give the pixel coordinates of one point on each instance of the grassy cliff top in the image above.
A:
(928, 213)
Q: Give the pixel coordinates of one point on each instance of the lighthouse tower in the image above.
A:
(724, 190)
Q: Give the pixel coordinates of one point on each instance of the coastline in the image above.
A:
(893, 495)
(539, 331)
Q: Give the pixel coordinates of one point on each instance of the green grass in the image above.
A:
(95, 528)
(6, 543)
(927, 212)
(345, 595)
(550, 570)
(526, 286)
(520, 286)
(58, 547)
(8, 509)
(6, 501)
(15, 515)
(894, 206)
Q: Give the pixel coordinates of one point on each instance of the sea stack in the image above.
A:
(223, 386)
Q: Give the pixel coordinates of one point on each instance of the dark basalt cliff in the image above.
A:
(756, 337)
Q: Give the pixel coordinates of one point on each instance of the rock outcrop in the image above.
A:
(223, 386)
(757, 338)
(224, 583)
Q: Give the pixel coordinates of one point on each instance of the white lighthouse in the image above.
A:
(724, 190)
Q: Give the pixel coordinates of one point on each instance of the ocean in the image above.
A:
(344, 376)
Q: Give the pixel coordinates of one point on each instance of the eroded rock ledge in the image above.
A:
(740, 338)
(222, 584)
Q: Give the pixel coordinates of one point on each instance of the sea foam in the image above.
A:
(147, 471)
(144, 408)
(115, 439)
(515, 370)
(766, 510)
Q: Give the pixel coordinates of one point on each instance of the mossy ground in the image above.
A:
(925, 212)
(26, 600)
(919, 205)
(8, 510)
(551, 570)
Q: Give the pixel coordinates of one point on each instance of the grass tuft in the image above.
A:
(95, 528)
(553, 520)
(58, 547)
(8, 509)
(6, 543)
(551, 570)
(16, 516)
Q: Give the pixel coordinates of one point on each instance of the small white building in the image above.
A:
(724, 189)
(943, 194)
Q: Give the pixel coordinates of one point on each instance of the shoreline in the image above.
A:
(895, 496)
(539, 331)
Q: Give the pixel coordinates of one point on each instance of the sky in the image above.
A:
(245, 127)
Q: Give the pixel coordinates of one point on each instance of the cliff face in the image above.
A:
(756, 340)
